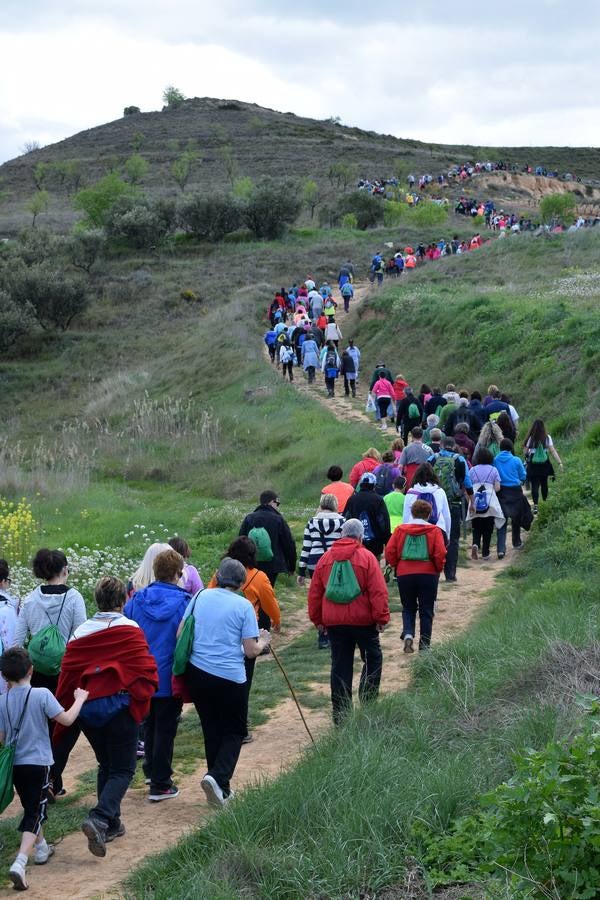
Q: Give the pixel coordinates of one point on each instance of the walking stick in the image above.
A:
(293, 693)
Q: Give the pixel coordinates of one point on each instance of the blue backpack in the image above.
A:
(426, 495)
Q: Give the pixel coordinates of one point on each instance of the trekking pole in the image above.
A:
(293, 693)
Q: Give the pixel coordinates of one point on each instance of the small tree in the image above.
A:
(367, 208)
(38, 205)
(135, 221)
(137, 141)
(131, 110)
(54, 297)
(558, 209)
(30, 146)
(173, 97)
(428, 213)
(40, 173)
(243, 188)
(136, 168)
(393, 213)
(341, 174)
(271, 208)
(230, 163)
(74, 174)
(96, 201)
(311, 196)
(181, 169)
(350, 222)
(210, 218)
(16, 320)
(84, 248)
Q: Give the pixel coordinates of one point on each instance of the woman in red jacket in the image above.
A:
(418, 553)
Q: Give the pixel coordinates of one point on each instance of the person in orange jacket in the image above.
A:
(353, 623)
(418, 553)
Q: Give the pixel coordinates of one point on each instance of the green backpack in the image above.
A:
(494, 448)
(342, 585)
(413, 411)
(47, 647)
(262, 539)
(540, 454)
(415, 548)
(185, 642)
(7, 759)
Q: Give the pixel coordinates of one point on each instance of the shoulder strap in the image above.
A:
(15, 733)
(60, 610)
(253, 577)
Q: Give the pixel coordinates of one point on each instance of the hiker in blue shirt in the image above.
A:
(515, 505)
(270, 340)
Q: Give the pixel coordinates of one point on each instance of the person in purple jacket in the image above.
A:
(190, 580)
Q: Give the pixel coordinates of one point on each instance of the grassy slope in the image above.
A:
(342, 823)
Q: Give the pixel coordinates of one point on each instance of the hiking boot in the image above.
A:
(535, 509)
(17, 876)
(114, 831)
(323, 642)
(163, 793)
(42, 853)
(518, 546)
(140, 749)
(408, 645)
(213, 792)
(95, 832)
(474, 552)
(247, 739)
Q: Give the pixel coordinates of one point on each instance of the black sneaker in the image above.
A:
(247, 739)
(95, 832)
(113, 832)
(163, 794)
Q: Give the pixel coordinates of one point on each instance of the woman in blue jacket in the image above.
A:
(513, 501)
(158, 609)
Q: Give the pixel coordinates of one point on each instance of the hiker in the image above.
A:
(275, 546)
(158, 609)
(386, 473)
(453, 473)
(463, 442)
(461, 415)
(347, 292)
(484, 510)
(109, 656)
(310, 358)
(435, 441)
(355, 354)
(489, 438)
(348, 370)
(144, 574)
(512, 499)
(315, 301)
(383, 392)
(435, 404)
(286, 358)
(418, 554)
(270, 340)
(477, 408)
(414, 454)
(225, 631)
(330, 366)
(397, 448)
(371, 458)
(259, 591)
(8, 614)
(341, 490)
(190, 580)
(357, 617)
(538, 447)
(409, 415)
(395, 501)
(320, 532)
(494, 405)
(25, 712)
(369, 508)
(51, 607)
(377, 270)
(431, 423)
(426, 486)
(333, 332)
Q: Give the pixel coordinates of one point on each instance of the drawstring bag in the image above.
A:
(342, 585)
(47, 647)
(185, 642)
(7, 759)
(415, 548)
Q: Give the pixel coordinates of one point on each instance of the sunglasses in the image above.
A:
(277, 502)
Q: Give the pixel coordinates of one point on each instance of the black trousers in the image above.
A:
(288, 369)
(349, 385)
(453, 540)
(343, 640)
(31, 784)
(160, 730)
(418, 594)
(330, 385)
(310, 371)
(115, 747)
(222, 707)
(483, 528)
(61, 749)
(538, 482)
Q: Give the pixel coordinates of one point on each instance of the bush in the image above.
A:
(136, 168)
(96, 201)
(559, 209)
(16, 320)
(367, 208)
(84, 248)
(427, 213)
(131, 110)
(350, 222)
(136, 221)
(393, 213)
(271, 208)
(54, 297)
(173, 97)
(210, 218)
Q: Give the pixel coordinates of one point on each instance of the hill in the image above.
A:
(260, 141)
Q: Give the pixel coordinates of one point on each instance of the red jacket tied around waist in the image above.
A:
(435, 547)
(371, 605)
(107, 662)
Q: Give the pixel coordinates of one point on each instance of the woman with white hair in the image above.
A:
(225, 630)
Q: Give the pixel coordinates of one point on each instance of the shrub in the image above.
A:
(350, 222)
(271, 208)
(54, 297)
(210, 218)
(131, 110)
(560, 209)
(84, 248)
(393, 213)
(37, 244)
(367, 208)
(181, 168)
(136, 221)
(16, 320)
(96, 201)
(243, 188)
(136, 168)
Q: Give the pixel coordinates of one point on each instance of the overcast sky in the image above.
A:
(516, 73)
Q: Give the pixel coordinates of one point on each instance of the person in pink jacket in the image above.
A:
(383, 391)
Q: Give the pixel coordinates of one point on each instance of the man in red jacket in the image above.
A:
(418, 553)
(350, 624)
(109, 655)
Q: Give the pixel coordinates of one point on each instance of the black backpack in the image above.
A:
(384, 483)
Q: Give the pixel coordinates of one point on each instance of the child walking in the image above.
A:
(24, 714)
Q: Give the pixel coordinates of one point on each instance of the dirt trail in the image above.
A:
(75, 874)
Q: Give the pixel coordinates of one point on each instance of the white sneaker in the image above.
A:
(228, 798)
(213, 792)
(17, 876)
(41, 855)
